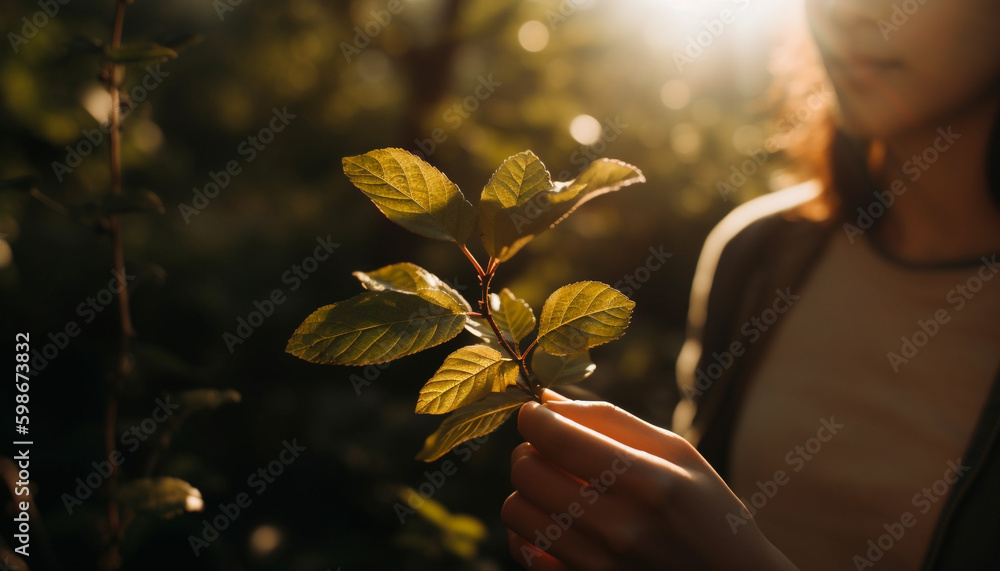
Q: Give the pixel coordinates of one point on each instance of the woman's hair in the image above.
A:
(848, 168)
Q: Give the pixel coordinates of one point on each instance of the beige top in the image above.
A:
(865, 400)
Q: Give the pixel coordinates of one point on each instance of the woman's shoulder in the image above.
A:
(764, 227)
(763, 217)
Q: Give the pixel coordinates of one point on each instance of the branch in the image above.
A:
(524, 367)
(484, 305)
(111, 557)
(468, 254)
(524, 356)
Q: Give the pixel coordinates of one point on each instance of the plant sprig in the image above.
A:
(406, 309)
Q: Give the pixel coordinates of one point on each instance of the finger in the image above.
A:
(555, 537)
(530, 556)
(549, 395)
(597, 458)
(546, 485)
(522, 450)
(567, 499)
(626, 428)
(526, 450)
(574, 448)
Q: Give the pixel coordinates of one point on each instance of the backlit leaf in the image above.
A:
(374, 327)
(583, 315)
(479, 327)
(473, 421)
(410, 278)
(413, 194)
(540, 204)
(444, 299)
(512, 315)
(553, 370)
(466, 376)
(518, 179)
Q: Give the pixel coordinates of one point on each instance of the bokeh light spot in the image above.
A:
(265, 539)
(97, 101)
(146, 136)
(6, 255)
(533, 36)
(194, 502)
(585, 129)
(675, 94)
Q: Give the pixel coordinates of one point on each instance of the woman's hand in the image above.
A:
(598, 488)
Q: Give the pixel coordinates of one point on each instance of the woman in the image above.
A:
(844, 345)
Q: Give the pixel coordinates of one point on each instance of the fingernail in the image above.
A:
(519, 453)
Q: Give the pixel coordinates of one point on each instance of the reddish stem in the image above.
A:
(468, 254)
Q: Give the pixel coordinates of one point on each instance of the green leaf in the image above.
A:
(518, 179)
(538, 203)
(466, 376)
(444, 299)
(165, 497)
(413, 194)
(479, 327)
(410, 278)
(583, 315)
(473, 421)
(553, 370)
(374, 327)
(139, 53)
(512, 315)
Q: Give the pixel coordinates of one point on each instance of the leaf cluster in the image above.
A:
(406, 309)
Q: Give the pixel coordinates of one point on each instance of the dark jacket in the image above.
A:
(761, 247)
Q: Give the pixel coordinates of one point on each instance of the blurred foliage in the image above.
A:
(451, 79)
(166, 497)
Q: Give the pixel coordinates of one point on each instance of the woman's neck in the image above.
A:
(947, 212)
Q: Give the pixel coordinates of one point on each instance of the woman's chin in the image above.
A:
(870, 123)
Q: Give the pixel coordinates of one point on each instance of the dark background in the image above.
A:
(333, 506)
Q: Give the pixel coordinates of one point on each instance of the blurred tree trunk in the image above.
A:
(429, 71)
